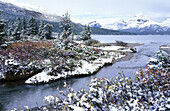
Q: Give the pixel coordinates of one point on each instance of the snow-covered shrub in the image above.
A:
(91, 42)
(149, 91)
(23, 58)
(161, 61)
(77, 37)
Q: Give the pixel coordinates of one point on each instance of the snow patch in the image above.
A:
(116, 48)
(165, 47)
(11, 62)
(49, 99)
(1, 75)
(109, 48)
(41, 77)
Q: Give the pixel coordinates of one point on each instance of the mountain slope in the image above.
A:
(11, 11)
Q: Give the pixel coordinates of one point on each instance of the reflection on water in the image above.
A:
(18, 94)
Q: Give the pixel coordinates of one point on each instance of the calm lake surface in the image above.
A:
(18, 94)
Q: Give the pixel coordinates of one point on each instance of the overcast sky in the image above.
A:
(82, 9)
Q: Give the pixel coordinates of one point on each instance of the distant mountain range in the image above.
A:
(13, 9)
(137, 24)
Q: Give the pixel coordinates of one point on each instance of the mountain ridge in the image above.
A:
(10, 9)
(138, 24)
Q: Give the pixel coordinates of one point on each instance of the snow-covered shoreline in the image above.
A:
(166, 48)
(86, 69)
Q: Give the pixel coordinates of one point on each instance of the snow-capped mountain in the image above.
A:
(13, 8)
(116, 25)
(166, 22)
(95, 24)
(138, 21)
(138, 24)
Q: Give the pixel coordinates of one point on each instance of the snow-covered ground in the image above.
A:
(118, 48)
(86, 69)
(165, 46)
(109, 48)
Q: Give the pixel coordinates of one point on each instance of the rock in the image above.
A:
(1, 106)
(121, 43)
(133, 49)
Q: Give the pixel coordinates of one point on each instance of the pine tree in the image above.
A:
(65, 24)
(24, 26)
(42, 30)
(49, 31)
(72, 37)
(63, 35)
(17, 29)
(3, 35)
(32, 27)
(86, 33)
(10, 29)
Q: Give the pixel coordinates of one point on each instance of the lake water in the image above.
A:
(18, 94)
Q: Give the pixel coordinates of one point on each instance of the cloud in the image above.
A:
(105, 8)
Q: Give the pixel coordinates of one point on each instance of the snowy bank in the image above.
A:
(118, 48)
(87, 68)
(166, 48)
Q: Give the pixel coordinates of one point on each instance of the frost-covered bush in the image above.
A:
(23, 58)
(161, 61)
(149, 91)
(91, 42)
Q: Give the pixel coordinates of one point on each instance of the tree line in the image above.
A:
(22, 29)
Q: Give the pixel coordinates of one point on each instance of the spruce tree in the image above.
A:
(42, 30)
(10, 28)
(63, 35)
(3, 35)
(32, 27)
(24, 26)
(49, 31)
(65, 24)
(86, 33)
(17, 29)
